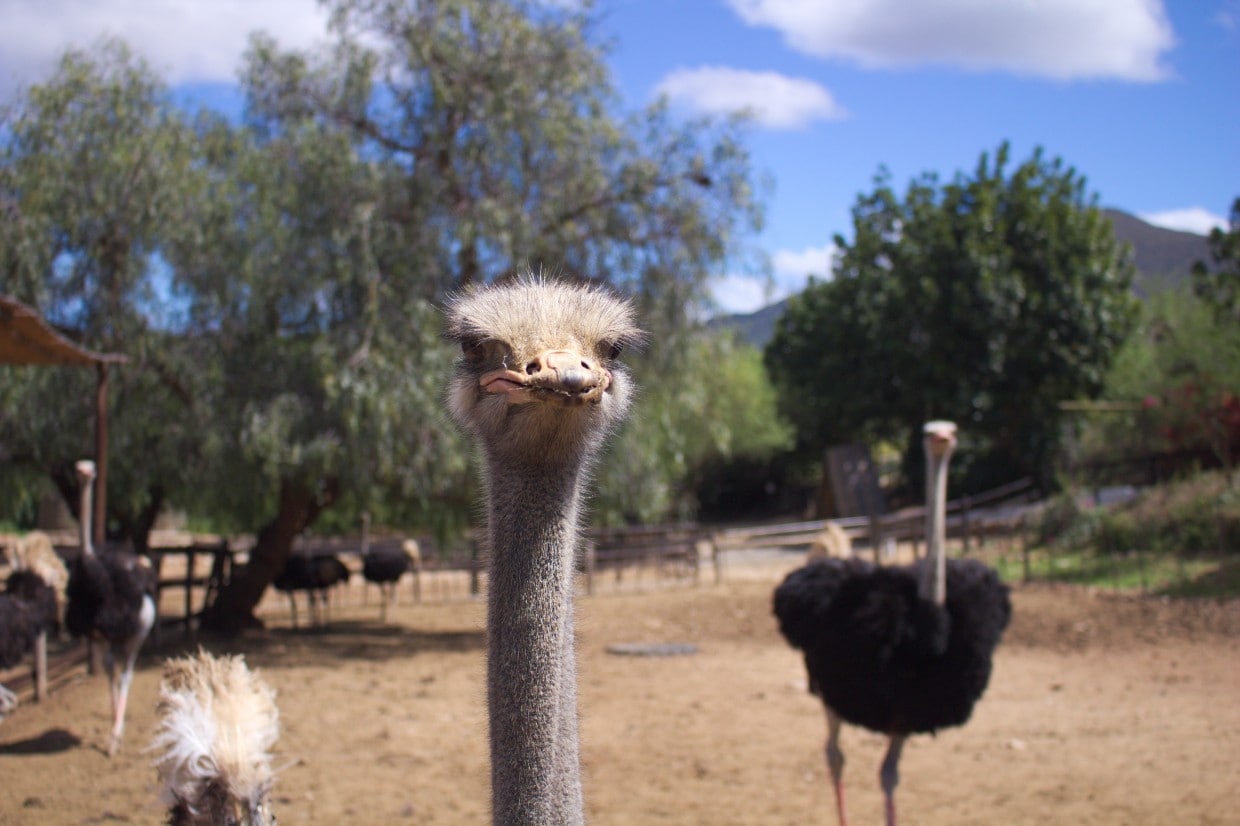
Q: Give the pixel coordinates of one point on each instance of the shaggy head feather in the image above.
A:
(218, 722)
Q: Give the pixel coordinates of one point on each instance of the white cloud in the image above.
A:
(791, 273)
(183, 40)
(1062, 39)
(795, 265)
(776, 101)
(1198, 220)
(740, 294)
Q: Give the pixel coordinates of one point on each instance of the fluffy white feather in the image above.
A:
(218, 722)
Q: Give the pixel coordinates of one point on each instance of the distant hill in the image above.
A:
(1163, 257)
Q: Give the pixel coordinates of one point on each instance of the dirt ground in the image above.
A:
(1102, 710)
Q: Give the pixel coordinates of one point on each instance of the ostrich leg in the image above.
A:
(889, 775)
(835, 763)
(119, 683)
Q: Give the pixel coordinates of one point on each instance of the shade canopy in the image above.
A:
(26, 339)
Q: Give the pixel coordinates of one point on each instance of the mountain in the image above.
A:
(1164, 257)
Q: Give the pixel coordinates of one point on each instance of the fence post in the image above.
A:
(964, 517)
(474, 562)
(1024, 548)
(589, 560)
(189, 591)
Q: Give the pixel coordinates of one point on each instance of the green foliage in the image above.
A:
(93, 165)
(720, 407)
(488, 129)
(1193, 516)
(1220, 287)
(274, 282)
(987, 300)
(1182, 364)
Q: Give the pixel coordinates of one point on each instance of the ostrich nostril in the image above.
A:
(532, 368)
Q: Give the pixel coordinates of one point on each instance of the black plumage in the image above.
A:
(105, 596)
(27, 609)
(313, 574)
(883, 658)
(384, 566)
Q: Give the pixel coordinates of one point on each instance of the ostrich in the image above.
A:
(217, 724)
(898, 650)
(315, 575)
(29, 606)
(384, 566)
(27, 610)
(110, 599)
(538, 388)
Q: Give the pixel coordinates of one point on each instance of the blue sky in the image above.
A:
(1141, 96)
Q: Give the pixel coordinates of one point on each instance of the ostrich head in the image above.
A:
(940, 439)
(218, 722)
(538, 381)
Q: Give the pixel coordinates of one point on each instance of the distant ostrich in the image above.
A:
(898, 650)
(217, 724)
(29, 606)
(27, 610)
(384, 566)
(315, 575)
(110, 599)
(538, 387)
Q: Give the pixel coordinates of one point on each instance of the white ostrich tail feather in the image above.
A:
(218, 722)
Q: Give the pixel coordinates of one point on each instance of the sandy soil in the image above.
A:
(1102, 710)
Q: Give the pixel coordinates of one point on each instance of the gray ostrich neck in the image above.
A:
(84, 516)
(531, 673)
(933, 583)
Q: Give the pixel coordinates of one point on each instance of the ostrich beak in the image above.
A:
(553, 375)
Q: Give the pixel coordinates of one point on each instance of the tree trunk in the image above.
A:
(232, 611)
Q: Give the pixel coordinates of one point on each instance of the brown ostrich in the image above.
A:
(538, 388)
(217, 724)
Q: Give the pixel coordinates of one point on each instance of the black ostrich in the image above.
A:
(27, 610)
(111, 599)
(314, 575)
(899, 650)
(384, 566)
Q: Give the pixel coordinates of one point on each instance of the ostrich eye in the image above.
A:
(614, 349)
(479, 351)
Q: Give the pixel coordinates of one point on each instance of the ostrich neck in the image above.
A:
(933, 583)
(531, 674)
(84, 517)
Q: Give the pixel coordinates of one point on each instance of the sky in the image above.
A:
(1141, 97)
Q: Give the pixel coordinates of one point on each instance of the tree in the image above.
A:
(720, 408)
(93, 162)
(433, 147)
(987, 300)
(1220, 286)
